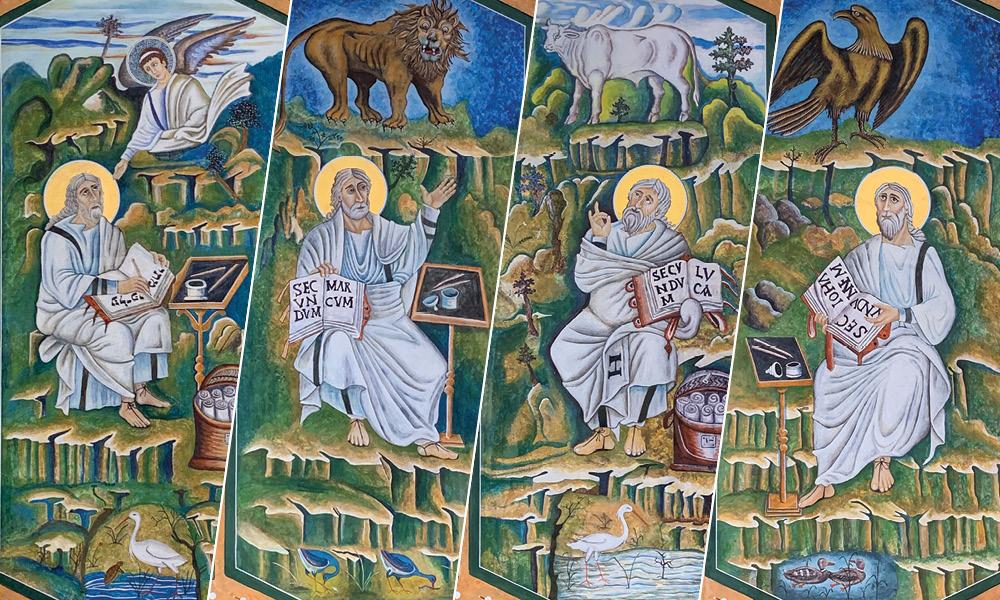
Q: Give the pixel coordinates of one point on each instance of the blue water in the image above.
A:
(879, 581)
(636, 574)
(141, 586)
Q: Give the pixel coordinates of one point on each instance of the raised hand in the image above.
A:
(600, 222)
(441, 194)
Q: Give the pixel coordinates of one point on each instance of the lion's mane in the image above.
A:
(404, 28)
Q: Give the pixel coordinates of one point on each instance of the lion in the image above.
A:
(414, 45)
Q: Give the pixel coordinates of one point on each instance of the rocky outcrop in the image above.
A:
(617, 147)
(779, 298)
(790, 215)
(757, 312)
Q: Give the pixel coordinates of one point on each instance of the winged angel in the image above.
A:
(176, 112)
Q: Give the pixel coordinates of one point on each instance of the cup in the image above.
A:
(775, 370)
(431, 302)
(449, 298)
(793, 370)
(194, 289)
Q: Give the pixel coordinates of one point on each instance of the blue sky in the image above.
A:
(70, 26)
(701, 19)
(492, 82)
(958, 92)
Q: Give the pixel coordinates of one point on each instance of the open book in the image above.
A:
(847, 309)
(660, 291)
(318, 303)
(138, 262)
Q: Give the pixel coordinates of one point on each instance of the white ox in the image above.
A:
(598, 53)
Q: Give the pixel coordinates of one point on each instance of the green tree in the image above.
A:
(532, 184)
(524, 287)
(110, 27)
(731, 56)
(791, 155)
(244, 116)
(526, 357)
(620, 109)
(403, 167)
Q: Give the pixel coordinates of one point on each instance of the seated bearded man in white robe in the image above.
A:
(176, 113)
(620, 374)
(393, 377)
(99, 364)
(882, 408)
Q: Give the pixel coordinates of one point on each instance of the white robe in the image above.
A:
(181, 115)
(394, 375)
(601, 357)
(887, 405)
(98, 363)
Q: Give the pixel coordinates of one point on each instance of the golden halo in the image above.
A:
(678, 194)
(54, 195)
(864, 198)
(323, 188)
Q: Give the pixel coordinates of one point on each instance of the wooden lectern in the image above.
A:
(765, 353)
(451, 295)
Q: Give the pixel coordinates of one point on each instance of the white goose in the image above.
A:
(596, 543)
(153, 552)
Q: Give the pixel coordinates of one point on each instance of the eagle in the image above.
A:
(870, 72)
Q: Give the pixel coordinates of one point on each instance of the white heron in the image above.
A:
(594, 544)
(154, 553)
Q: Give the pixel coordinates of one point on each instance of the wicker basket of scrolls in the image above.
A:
(212, 428)
(698, 415)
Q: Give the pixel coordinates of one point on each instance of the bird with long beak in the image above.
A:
(596, 543)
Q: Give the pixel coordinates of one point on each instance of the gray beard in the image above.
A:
(356, 211)
(634, 221)
(890, 225)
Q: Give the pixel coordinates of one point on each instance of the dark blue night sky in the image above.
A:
(958, 93)
(492, 83)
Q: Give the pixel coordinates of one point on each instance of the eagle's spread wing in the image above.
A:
(908, 56)
(167, 32)
(811, 55)
(194, 50)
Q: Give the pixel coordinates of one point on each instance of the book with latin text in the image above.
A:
(325, 302)
(847, 309)
(659, 292)
(138, 262)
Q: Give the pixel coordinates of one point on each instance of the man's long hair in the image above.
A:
(72, 202)
(339, 181)
(917, 234)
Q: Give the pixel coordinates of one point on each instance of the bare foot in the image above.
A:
(820, 492)
(132, 415)
(634, 444)
(437, 451)
(882, 480)
(600, 440)
(144, 397)
(358, 435)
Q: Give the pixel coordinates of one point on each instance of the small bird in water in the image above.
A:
(870, 72)
(113, 572)
(399, 566)
(594, 544)
(153, 553)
